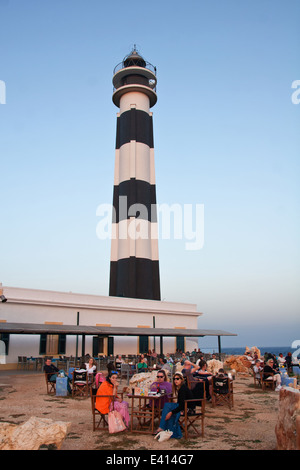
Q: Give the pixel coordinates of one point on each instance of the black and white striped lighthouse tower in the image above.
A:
(134, 267)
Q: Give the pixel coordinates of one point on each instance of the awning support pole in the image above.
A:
(219, 344)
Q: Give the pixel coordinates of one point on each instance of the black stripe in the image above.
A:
(134, 124)
(135, 278)
(137, 192)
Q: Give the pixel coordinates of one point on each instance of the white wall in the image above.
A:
(34, 306)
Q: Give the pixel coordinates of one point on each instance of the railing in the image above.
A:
(121, 66)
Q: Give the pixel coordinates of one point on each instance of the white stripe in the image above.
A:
(133, 238)
(135, 160)
(134, 99)
(117, 168)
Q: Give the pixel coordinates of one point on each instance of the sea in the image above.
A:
(276, 350)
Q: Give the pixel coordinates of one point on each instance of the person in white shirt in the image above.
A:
(281, 359)
(91, 367)
(257, 369)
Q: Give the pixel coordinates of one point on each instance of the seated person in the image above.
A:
(281, 359)
(163, 365)
(206, 376)
(184, 358)
(276, 365)
(118, 362)
(171, 411)
(161, 384)
(202, 371)
(160, 362)
(142, 365)
(268, 370)
(169, 359)
(201, 358)
(111, 401)
(52, 372)
(50, 368)
(257, 368)
(221, 373)
(91, 367)
(188, 370)
(167, 367)
(196, 383)
(289, 362)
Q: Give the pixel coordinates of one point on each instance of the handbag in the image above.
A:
(115, 422)
(163, 436)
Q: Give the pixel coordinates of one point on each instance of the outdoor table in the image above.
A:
(145, 412)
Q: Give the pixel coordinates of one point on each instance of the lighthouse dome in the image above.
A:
(134, 59)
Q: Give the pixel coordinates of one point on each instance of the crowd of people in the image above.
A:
(192, 381)
(269, 366)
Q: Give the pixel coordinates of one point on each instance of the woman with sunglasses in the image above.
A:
(171, 411)
(107, 397)
(162, 385)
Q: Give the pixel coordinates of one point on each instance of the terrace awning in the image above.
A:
(35, 328)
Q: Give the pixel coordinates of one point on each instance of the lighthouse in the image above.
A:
(134, 264)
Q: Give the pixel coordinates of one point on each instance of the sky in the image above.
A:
(226, 136)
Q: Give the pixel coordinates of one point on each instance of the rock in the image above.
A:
(214, 365)
(143, 380)
(239, 363)
(254, 350)
(178, 367)
(32, 434)
(287, 428)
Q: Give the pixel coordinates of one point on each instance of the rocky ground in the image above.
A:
(250, 425)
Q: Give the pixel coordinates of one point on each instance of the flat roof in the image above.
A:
(35, 328)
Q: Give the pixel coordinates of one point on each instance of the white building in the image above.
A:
(40, 323)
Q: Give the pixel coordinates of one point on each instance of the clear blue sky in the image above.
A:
(226, 135)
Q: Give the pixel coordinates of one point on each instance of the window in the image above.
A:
(143, 344)
(103, 345)
(98, 345)
(51, 345)
(5, 338)
(180, 343)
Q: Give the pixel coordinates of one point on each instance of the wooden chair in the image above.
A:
(51, 385)
(222, 391)
(265, 382)
(80, 384)
(100, 420)
(188, 421)
(257, 380)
